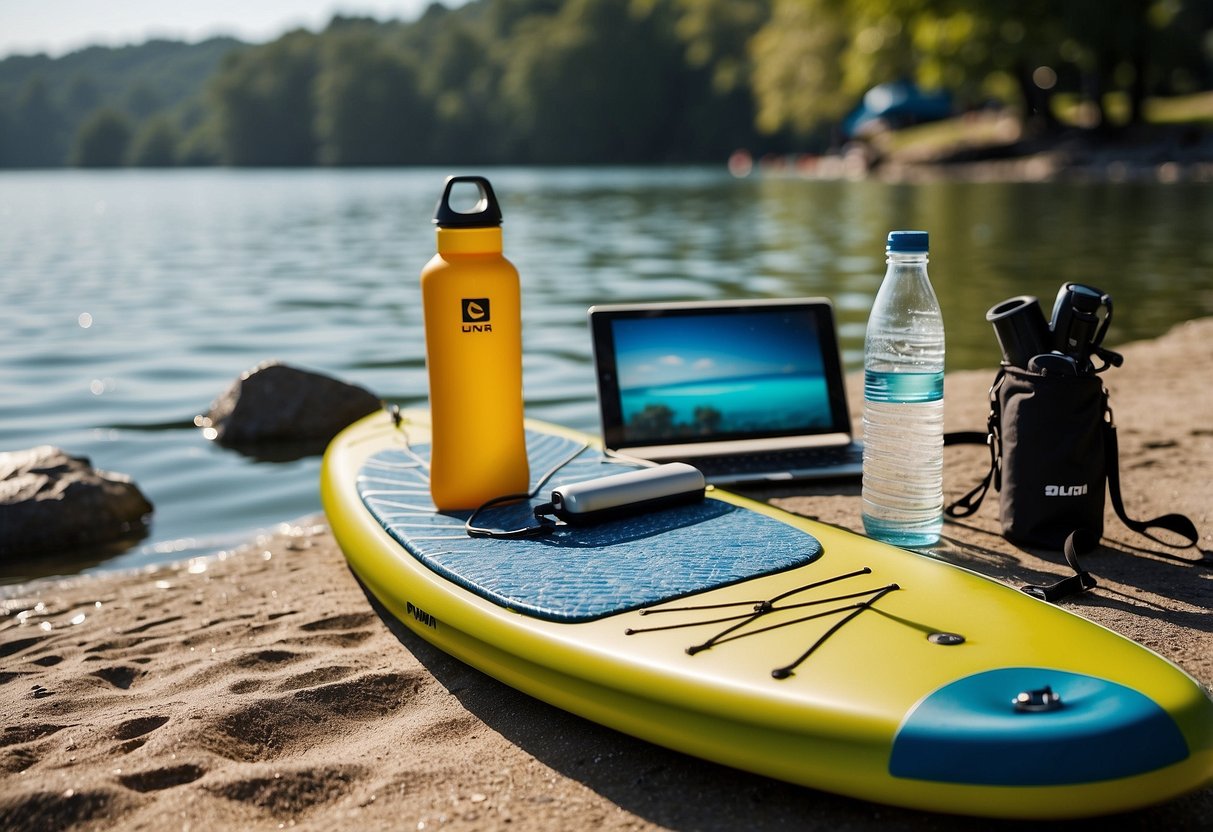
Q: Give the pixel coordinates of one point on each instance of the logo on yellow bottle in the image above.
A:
(476, 315)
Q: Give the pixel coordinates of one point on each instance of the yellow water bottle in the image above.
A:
(473, 349)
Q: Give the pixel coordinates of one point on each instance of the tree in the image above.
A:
(102, 140)
(595, 83)
(38, 136)
(156, 144)
(264, 105)
(1181, 54)
(200, 146)
(716, 36)
(816, 57)
(798, 74)
(460, 76)
(719, 107)
(368, 108)
(83, 96)
(142, 101)
(6, 134)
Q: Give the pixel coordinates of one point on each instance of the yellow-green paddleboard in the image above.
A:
(739, 633)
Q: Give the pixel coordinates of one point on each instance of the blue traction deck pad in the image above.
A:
(577, 573)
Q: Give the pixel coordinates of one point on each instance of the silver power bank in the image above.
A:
(631, 492)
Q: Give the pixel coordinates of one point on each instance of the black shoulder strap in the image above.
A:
(1179, 524)
(965, 437)
(1083, 542)
(1079, 542)
(969, 503)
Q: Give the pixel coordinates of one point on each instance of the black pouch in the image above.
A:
(1054, 461)
(1052, 456)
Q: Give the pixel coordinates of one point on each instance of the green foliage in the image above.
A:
(142, 101)
(156, 144)
(102, 140)
(39, 134)
(369, 109)
(264, 105)
(47, 100)
(816, 55)
(83, 96)
(715, 36)
(593, 81)
(200, 146)
(798, 80)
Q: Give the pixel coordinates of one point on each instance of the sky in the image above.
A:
(57, 27)
(657, 351)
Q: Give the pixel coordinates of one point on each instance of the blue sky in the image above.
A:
(61, 26)
(669, 350)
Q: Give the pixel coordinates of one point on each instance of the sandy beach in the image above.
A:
(262, 689)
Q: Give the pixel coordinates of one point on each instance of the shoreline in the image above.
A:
(992, 147)
(260, 688)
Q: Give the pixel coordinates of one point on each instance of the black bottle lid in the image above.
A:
(486, 213)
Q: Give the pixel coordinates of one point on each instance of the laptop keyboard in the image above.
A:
(784, 460)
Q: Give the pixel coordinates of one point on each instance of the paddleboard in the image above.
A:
(736, 632)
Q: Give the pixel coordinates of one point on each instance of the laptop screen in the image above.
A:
(720, 371)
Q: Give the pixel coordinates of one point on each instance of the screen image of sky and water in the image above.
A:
(722, 375)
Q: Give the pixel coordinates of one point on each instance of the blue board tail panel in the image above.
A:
(970, 732)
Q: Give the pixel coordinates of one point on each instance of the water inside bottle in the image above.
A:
(902, 387)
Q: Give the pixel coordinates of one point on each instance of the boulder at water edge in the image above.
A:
(50, 500)
(275, 403)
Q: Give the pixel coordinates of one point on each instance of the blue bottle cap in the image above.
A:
(910, 242)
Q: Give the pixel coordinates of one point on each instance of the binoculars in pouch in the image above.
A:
(1081, 316)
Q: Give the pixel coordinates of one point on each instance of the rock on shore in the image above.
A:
(276, 402)
(50, 500)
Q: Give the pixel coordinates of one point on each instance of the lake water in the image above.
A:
(747, 404)
(132, 299)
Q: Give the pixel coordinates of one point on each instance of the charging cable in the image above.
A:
(546, 524)
(606, 498)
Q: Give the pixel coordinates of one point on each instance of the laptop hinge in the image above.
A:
(738, 446)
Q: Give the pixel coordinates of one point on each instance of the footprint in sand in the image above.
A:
(369, 696)
(46, 810)
(348, 621)
(346, 630)
(260, 659)
(17, 734)
(142, 628)
(8, 648)
(162, 778)
(274, 728)
(312, 678)
(246, 686)
(350, 639)
(138, 727)
(22, 749)
(133, 733)
(292, 792)
(119, 676)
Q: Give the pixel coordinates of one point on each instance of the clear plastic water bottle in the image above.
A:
(903, 401)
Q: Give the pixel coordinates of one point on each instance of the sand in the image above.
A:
(261, 689)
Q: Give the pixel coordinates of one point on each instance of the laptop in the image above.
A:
(747, 391)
